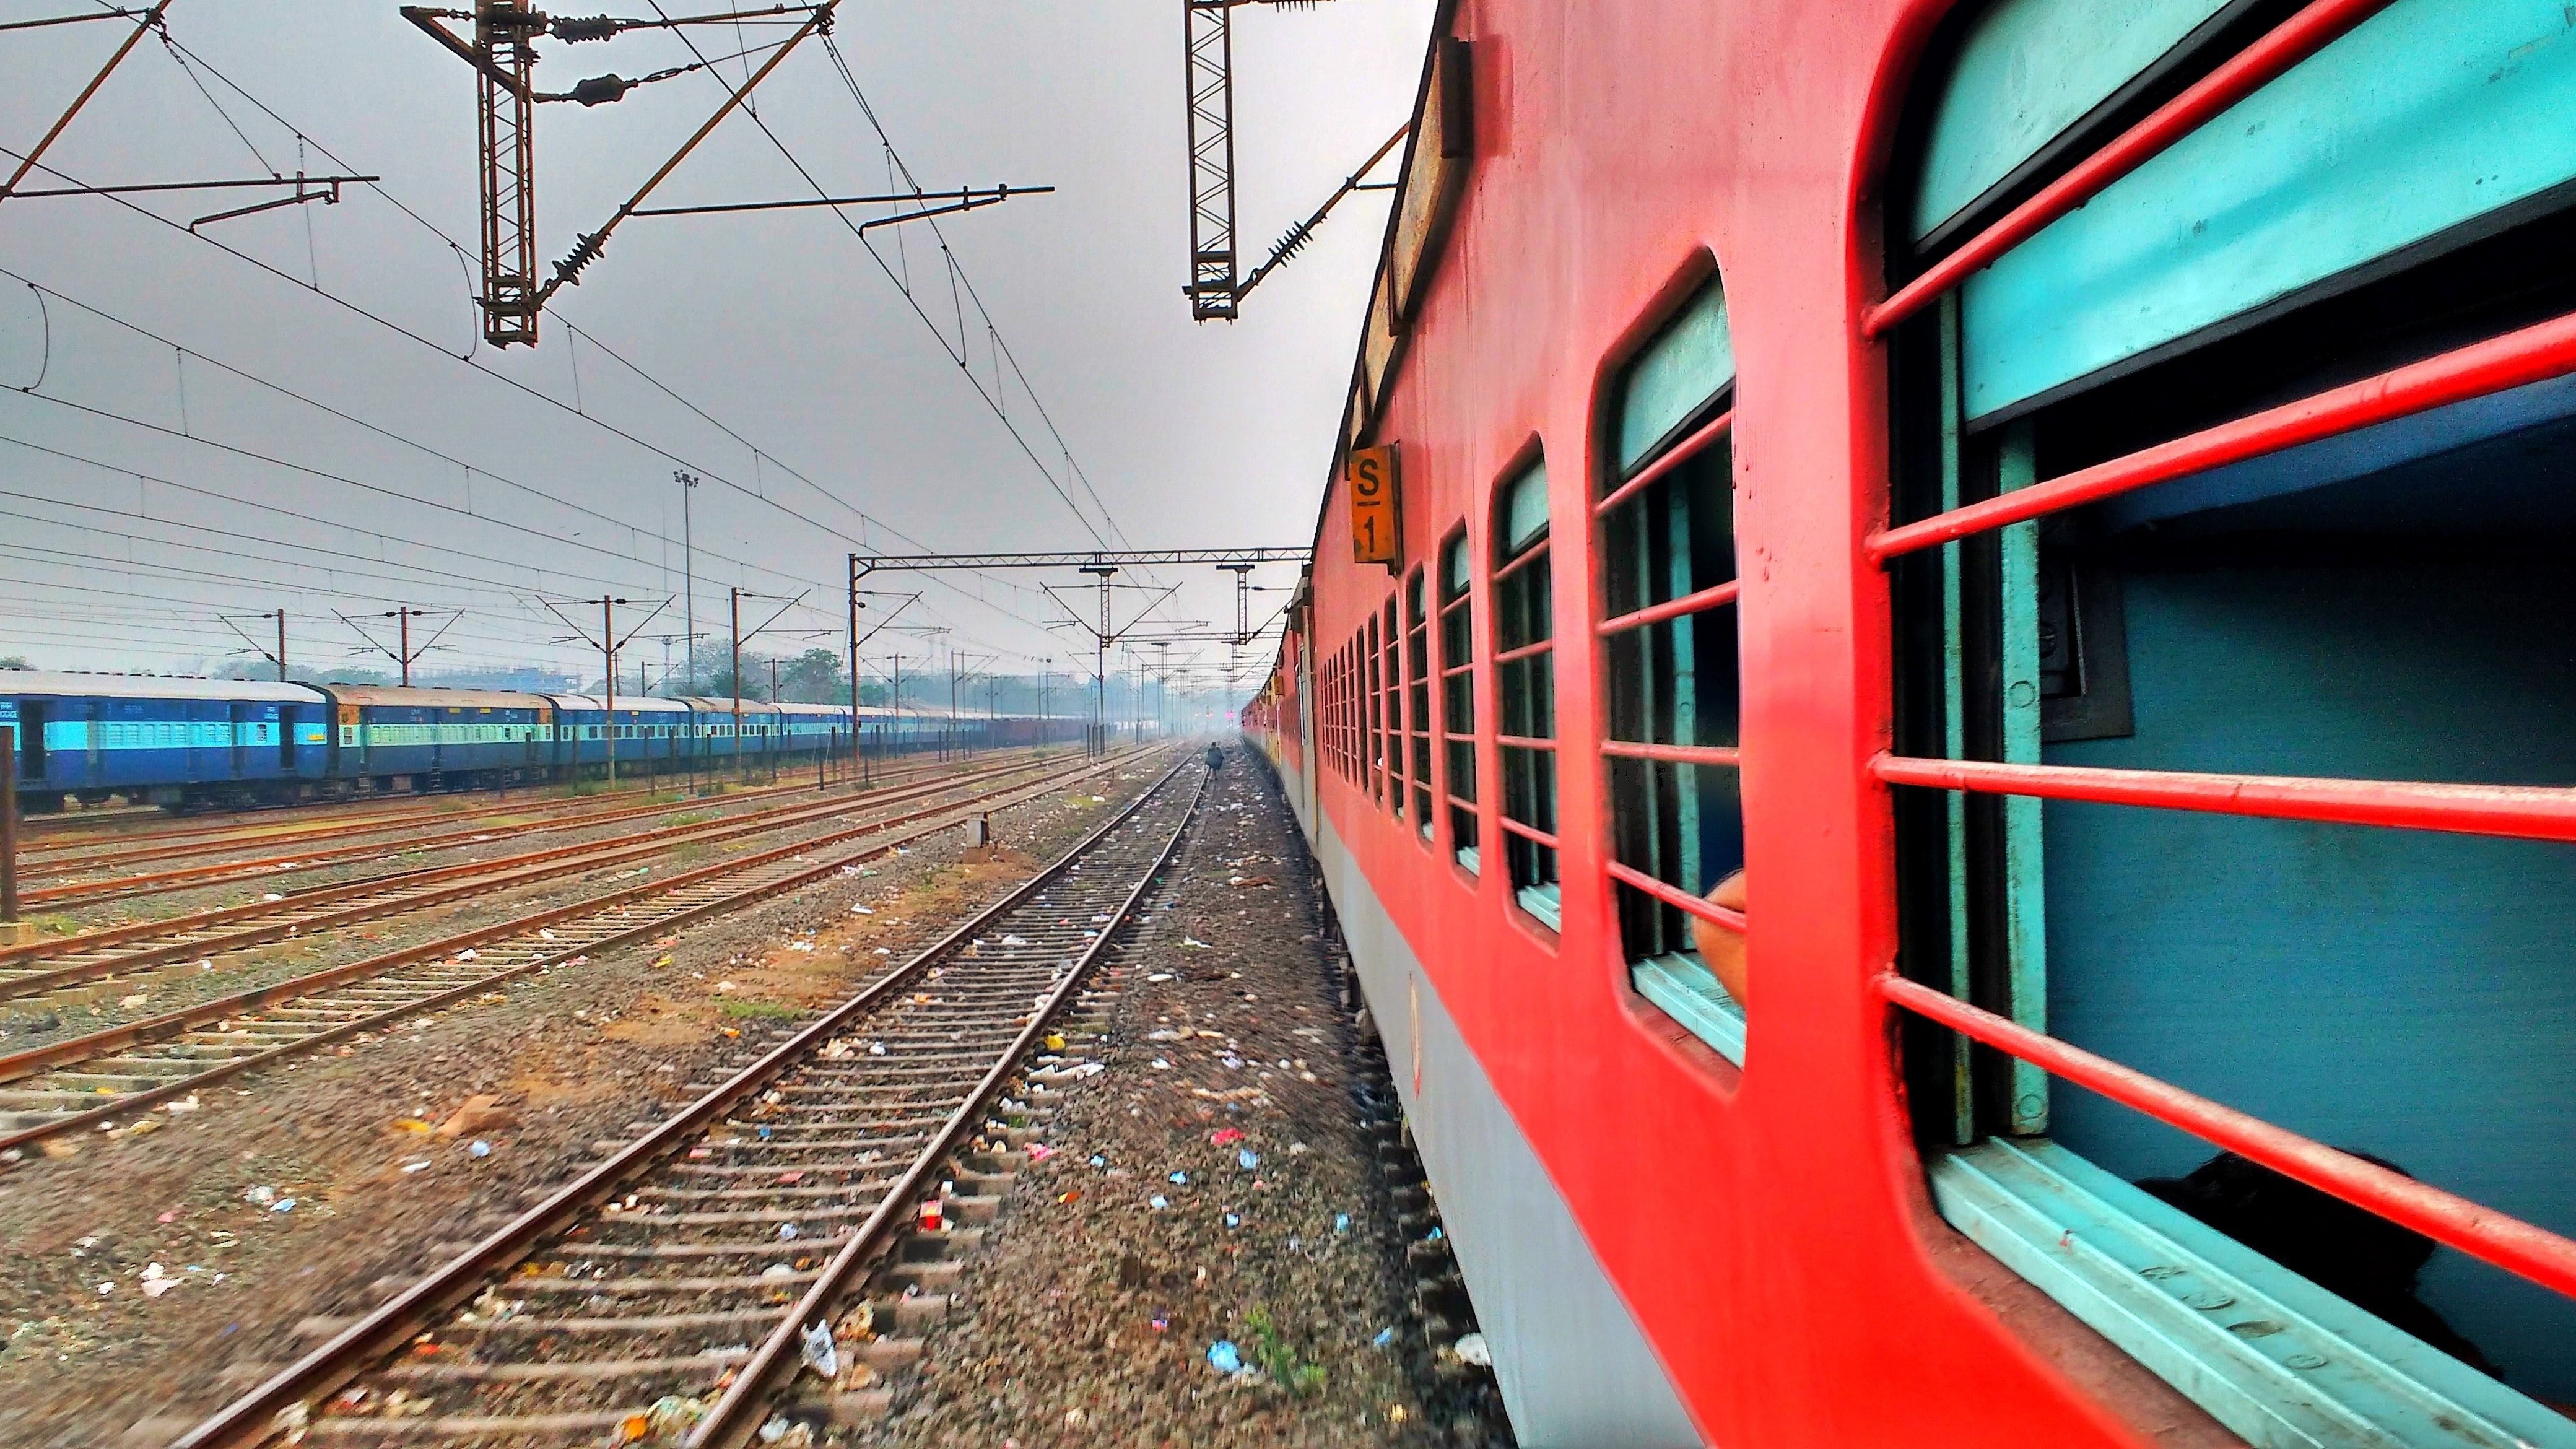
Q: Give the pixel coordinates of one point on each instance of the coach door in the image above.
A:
(31, 740)
(242, 726)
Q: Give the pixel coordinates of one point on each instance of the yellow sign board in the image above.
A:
(1376, 533)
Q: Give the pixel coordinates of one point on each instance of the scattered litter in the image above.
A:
(1471, 1348)
(260, 1196)
(1161, 1065)
(1158, 1202)
(1247, 1159)
(1435, 1235)
(777, 1270)
(272, 896)
(478, 1148)
(821, 1354)
(1224, 1357)
(282, 1205)
(786, 1232)
(1160, 976)
(1015, 940)
(189, 1103)
(1040, 1152)
(1234, 1220)
(1180, 1179)
(544, 935)
(131, 1002)
(1384, 1337)
(157, 1280)
(1226, 1137)
(862, 911)
(1341, 1222)
(1194, 943)
(421, 1165)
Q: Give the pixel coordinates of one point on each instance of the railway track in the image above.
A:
(41, 857)
(50, 966)
(82, 1082)
(73, 892)
(84, 828)
(673, 1291)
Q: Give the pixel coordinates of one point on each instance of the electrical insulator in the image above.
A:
(599, 90)
(580, 28)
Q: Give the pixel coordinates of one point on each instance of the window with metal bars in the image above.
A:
(1458, 696)
(1391, 670)
(2236, 764)
(1665, 526)
(1373, 701)
(1525, 690)
(1417, 694)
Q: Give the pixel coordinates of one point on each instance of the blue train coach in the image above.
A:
(163, 741)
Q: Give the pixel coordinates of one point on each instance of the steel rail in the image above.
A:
(287, 1398)
(273, 866)
(732, 1419)
(408, 891)
(103, 1045)
(278, 824)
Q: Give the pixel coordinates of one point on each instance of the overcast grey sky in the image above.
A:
(444, 486)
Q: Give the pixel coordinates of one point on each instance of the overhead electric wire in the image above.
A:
(284, 512)
(665, 389)
(180, 51)
(383, 432)
(397, 328)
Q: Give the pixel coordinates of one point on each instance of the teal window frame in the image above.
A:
(1458, 697)
(1417, 687)
(2298, 191)
(1525, 692)
(1664, 533)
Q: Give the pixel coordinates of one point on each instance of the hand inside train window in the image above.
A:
(1720, 948)
(2213, 769)
(1666, 524)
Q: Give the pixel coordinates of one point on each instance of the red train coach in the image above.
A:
(2072, 499)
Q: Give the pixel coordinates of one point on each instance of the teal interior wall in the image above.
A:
(2402, 992)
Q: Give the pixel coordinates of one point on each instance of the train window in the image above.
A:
(1391, 670)
(1524, 668)
(2233, 723)
(1458, 696)
(1417, 681)
(1372, 684)
(1666, 526)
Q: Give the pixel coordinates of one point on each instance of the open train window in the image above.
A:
(2233, 710)
(1666, 525)
(1458, 697)
(1391, 667)
(1417, 694)
(1525, 689)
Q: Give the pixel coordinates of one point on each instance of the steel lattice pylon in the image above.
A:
(503, 34)
(1209, 54)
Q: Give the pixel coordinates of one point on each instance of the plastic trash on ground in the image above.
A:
(821, 1354)
(1224, 1357)
(1471, 1348)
